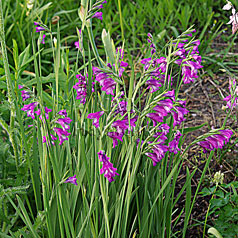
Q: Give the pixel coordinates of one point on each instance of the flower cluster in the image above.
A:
(189, 67)
(107, 167)
(81, 88)
(121, 126)
(216, 141)
(63, 131)
(176, 108)
(63, 120)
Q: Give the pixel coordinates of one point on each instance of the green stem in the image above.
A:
(121, 17)
(204, 229)
(93, 44)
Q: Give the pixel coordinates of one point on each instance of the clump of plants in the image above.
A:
(103, 146)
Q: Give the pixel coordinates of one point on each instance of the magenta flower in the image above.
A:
(52, 138)
(153, 84)
(98, 15)
(158, 154)
(29, 108)
(189, 71)
(107, 167)
(43, 39)
(64, 122)
(76, 43)
(178, 115)
(108, 85)
(146, 62)
(121, 108)
(62, 134)
(173, 145)
(122, 125)
(63, 113)
(95, 116)
(20, 86)
(122, 67)
(229, 104)
(25, 94)
(155, 117)
(38, 27)
(170, 94)
(47, 110)
(164, 128)
(115, 136)
(160, 137)
(164, 107)
(72, 180)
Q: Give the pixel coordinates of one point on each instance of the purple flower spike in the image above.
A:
(38, 112)
(72, 180)
(81, 88)
(123, 125)
(170, 94)
(165, 128)
(115, 136)
(52, 138)
(123, 65)
(98, 15)
(20, 86)
(107, 167)
(95, 116)
(121, 108)
(107, 84)
(47, 110)
(216, 141)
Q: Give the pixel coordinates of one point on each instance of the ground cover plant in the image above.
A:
(95, 140)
